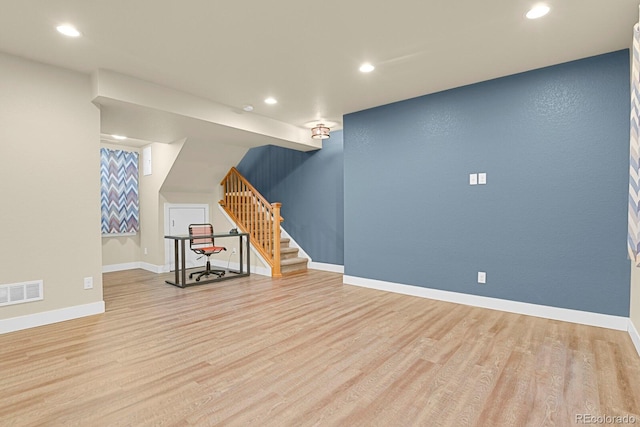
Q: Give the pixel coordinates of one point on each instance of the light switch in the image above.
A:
(473, 178)
(482, 178)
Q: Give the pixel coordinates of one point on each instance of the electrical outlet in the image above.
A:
(233, 251)
(482, 277)
(88, 282)
(482, 178)
(473, 179)
(146, 252)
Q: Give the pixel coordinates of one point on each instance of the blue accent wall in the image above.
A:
(549, 227)
(310, 187)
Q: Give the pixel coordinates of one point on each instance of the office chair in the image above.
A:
(201, 242)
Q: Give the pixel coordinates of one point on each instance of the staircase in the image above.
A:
(253, 214)
(290, 262)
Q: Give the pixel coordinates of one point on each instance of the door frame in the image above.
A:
(168, 244)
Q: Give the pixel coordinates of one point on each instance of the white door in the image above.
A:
(178, 218)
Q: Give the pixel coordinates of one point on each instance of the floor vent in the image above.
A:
(17, 293)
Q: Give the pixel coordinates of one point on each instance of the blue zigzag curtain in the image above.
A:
(633, 238)
(119, 198)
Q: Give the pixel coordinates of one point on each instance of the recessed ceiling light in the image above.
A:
(119, 137)
(271, 101)
(248, 108)
(366, 68)
(68, 30)
(538, 11)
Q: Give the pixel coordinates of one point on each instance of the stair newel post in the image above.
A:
(276, 239)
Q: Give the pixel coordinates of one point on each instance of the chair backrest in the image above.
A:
(200, 235)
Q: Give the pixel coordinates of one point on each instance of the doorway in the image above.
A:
(177, 218)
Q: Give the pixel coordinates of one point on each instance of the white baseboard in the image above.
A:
(635, 337)
(564, 314)
(262, 271)
(334, 268)
(54, 316)
(153, 268)
(120, 267)
(166, 269)
(133, 265)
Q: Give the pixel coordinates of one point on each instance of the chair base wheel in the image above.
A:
(200, 274)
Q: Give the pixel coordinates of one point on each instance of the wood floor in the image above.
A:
(308, 351)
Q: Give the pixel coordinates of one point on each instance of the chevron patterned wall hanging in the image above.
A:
(633, 239)
(119, 191)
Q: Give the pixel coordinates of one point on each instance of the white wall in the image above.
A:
(49, 184)
(151, 205)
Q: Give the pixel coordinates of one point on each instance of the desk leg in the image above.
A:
(240, 259)
(175, 261)
(184, 264)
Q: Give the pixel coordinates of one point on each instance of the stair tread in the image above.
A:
(291, 261)
(288, 250)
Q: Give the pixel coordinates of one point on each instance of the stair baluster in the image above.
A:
(254, 215)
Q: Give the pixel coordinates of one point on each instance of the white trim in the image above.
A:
(165, 268)
(154, 268)
(120, 267)
(133, 265)
(236, 266)
(334, 268)
(131, 233)
(45, 318)
(547, 312)
(635, 337)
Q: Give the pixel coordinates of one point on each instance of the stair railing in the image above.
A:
(254, 215)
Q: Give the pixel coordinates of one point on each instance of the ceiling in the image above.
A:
(306, 54)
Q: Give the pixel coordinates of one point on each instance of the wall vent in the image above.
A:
(17, 293)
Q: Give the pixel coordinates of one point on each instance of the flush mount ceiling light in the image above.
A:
(320, 132)
(366, 68)
(538, 11)
(271, 101)
(248, 108)
(119, 137)
(68, 30)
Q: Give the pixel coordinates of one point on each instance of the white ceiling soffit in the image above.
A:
(147, 111)
(201, 165)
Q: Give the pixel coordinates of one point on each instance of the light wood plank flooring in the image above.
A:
(308, 351)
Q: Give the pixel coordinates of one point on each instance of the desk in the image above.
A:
(180, 261)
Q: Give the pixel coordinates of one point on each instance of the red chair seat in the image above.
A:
(212, 249)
